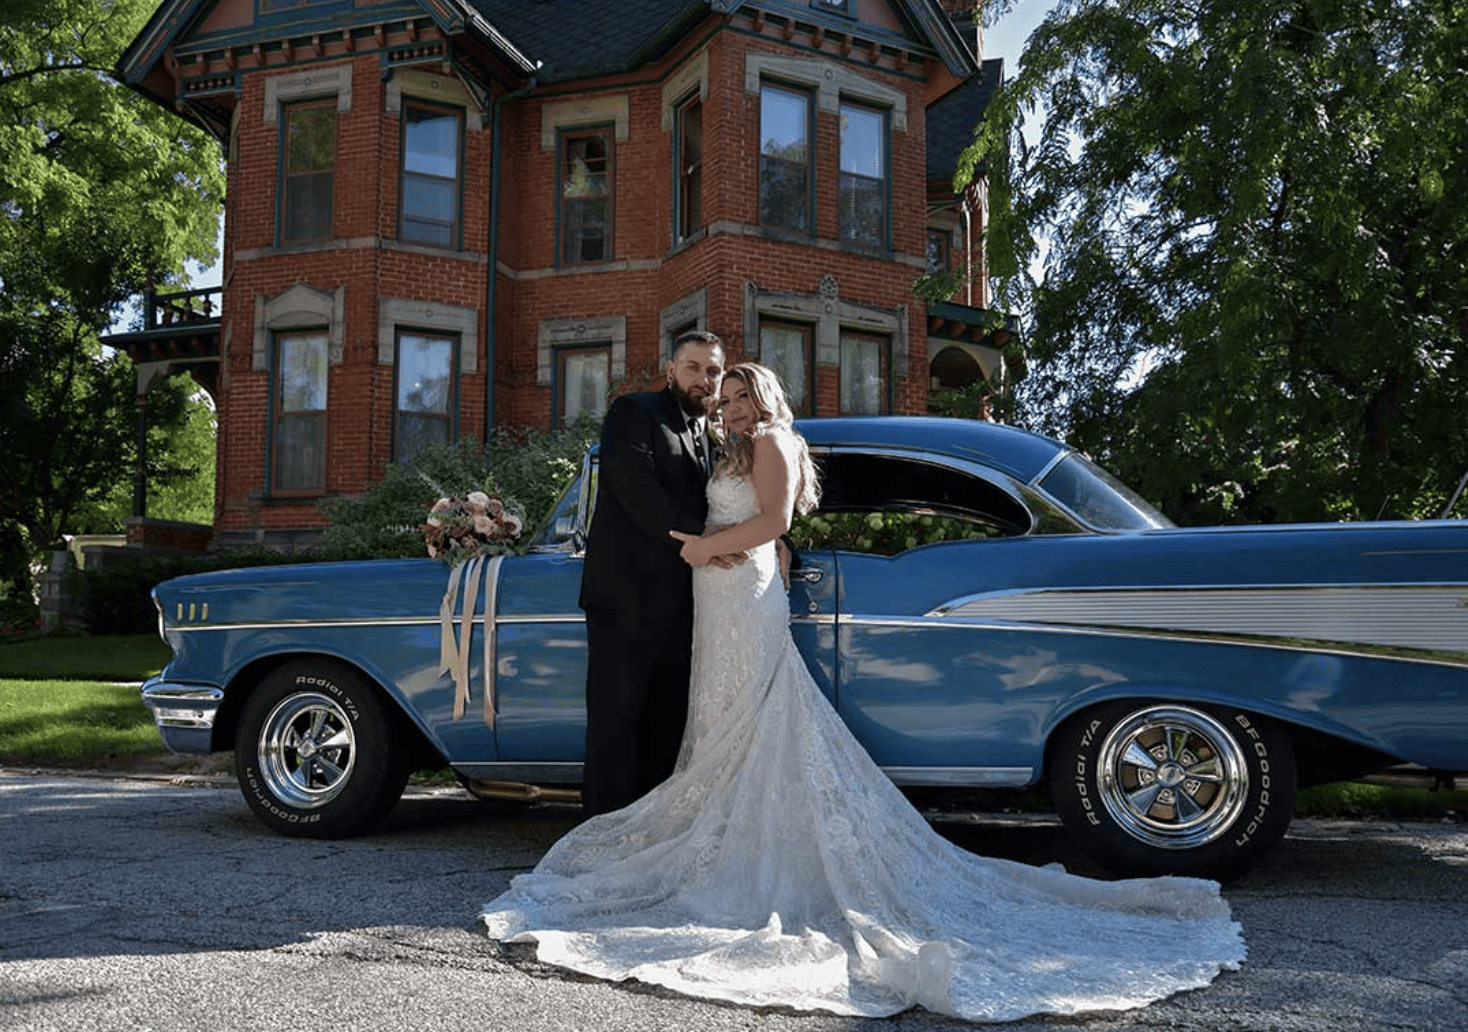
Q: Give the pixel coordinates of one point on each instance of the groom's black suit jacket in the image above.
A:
(638, 595)
(650, 482)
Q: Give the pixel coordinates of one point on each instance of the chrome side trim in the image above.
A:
(973, 777)
(401, 621)
(1428, 617)
(570, 773)
(1334, 648)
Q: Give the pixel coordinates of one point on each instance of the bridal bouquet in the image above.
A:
(463, 528)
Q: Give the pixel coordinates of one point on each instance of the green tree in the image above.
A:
(1251, 223)
(99, 190)
(180, 458)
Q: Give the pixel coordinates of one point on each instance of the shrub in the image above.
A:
(116, 595)
(527, 467)
(880, 533)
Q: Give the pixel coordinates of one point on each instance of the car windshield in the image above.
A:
(1098, 498)
(560, 527)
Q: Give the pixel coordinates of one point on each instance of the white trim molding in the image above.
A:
(584, 111)
(829, 315)
(678, 87)
(302, 307)
(830, 80)
(691, 309)
(445, 89)
(395, 313)
(313, 82)
(556, 333)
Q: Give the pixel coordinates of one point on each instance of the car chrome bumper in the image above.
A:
(184, 714)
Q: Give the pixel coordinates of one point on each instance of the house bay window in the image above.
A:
(423, 412)
(430, 175)
(298, 433)
(585, 194)
(863, 188)
(863, 374)
(787, 348)
(784, 158)
(308, 160)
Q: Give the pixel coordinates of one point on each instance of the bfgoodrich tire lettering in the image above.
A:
(1162, 788)
(319, 754)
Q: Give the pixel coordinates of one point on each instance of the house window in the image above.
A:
(863, 374)
(834, 6)
(308, 146)
(938, 247)
(299, 432)
(430, 206)
(586, 196)
(424, 412)
(787, 349)
(784, 159)
(863, 175)
(690, 167)
(583, 380)
(670, 343)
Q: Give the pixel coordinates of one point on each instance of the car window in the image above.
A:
(886, 504)
(1098, 498)
(561, 527)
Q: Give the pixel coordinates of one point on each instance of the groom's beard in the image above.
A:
(692, 404)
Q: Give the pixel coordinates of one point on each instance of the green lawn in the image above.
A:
(102, 657)
(60, 703)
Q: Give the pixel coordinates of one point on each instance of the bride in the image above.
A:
(779, 865)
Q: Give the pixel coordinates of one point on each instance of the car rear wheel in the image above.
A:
(1161, 788)
(319, 754)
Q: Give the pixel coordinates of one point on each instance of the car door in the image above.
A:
(813, 591)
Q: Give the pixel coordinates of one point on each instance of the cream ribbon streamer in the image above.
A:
(465, 581)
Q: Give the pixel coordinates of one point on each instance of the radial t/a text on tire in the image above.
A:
(1150, 788)
(319, 753)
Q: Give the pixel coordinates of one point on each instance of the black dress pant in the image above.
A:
(636, 703)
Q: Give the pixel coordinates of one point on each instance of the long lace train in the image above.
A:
(780, 866)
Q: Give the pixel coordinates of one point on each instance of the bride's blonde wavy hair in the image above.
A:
(774, 416)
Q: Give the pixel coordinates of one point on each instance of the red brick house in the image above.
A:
(448, 215)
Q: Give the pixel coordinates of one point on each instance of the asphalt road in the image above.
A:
(160, 903)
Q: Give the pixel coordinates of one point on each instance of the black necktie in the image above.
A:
(698, 448)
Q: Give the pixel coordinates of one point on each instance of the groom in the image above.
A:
(635, 588)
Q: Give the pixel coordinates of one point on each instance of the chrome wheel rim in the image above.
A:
(307, 749)
(1172, 777)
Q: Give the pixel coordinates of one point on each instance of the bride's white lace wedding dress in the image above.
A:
(779, 865)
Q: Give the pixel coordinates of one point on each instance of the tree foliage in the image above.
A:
(99, 190)
(1251, 223)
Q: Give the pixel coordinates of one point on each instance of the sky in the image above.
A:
(1007, 38)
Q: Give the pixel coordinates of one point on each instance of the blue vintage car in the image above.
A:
(1170, 687)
